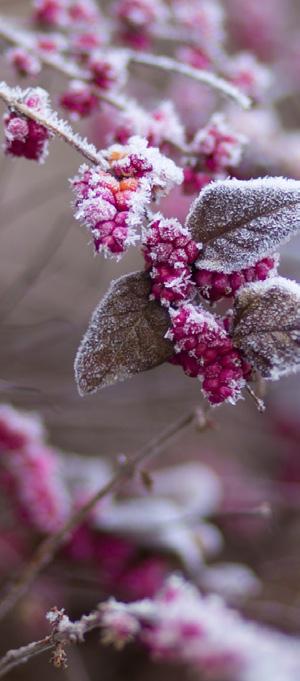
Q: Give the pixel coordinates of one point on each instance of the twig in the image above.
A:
(25, 39)
(54, 124)
(259, 403)
(202, 76)
(49, 547)
(63, 632)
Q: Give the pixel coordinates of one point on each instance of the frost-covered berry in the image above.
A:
(169, 252)
(136, 18)
(25, 63)
(218, 144)
(50, 12)
(205, 350)
(108, 208)
(79, 100)
(108, 71)
(24, 137)
(214, 286)
(83, 43)
(160, 126)
(18, 429)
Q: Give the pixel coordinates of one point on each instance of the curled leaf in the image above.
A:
(241, 221)
(125, 335)
(267, 326)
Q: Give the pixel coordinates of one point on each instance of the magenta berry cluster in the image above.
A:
(79, 99)
(205, 350)
(104, 205)
(23, 136)
(213, 286)
(169, 252)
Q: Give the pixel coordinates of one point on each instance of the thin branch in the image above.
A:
(19, 656)
(70, 632)
(202, 76)
(50, 546)
(55, 125)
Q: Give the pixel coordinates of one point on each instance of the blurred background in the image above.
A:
(50, 282)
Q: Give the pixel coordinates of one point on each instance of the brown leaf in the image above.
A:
(125, 335)
(267, 326)
(239, 222)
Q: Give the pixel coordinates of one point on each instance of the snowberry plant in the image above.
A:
(227, 247)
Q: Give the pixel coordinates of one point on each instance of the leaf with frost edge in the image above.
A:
(266, 326)
(131, 340)
(230, 244)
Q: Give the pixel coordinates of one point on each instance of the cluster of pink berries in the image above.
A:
(217, 149)
(79, 99)
(214, 286)
(205, 350)
(105, 206)
(112, 202)
(24, 63)
(169, 252)
(26, 137)
(30, 473)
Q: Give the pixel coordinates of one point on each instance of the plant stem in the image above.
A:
(55, 125)
(50, 546)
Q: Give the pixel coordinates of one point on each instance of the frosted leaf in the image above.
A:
(240, 221)
(125, 335)
(267, 326)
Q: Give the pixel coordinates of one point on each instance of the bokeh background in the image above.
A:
(50, 283)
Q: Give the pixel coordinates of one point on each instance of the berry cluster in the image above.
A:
(107, 72)
(79, 99)
(62, 13)
(105, 205)
(214, 286)
(24, 63)
(26, 137)
(205, 350)
(169, 252)
(217, 148)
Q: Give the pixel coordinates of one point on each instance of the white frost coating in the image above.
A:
(267, 326)
(165, 174)
(160, 125)
(241, 221)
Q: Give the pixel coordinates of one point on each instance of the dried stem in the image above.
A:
(55, 125)
(25, 39)
(50, 546)
(73, 632)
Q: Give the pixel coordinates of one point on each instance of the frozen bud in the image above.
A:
(79, 100)
(220, 146)
(24, 136)
(50, 12)
(108, 71)
(214, 286)
(83, 43)
(109, 208)
(25, 63)
(199, 335)
(249, 75)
